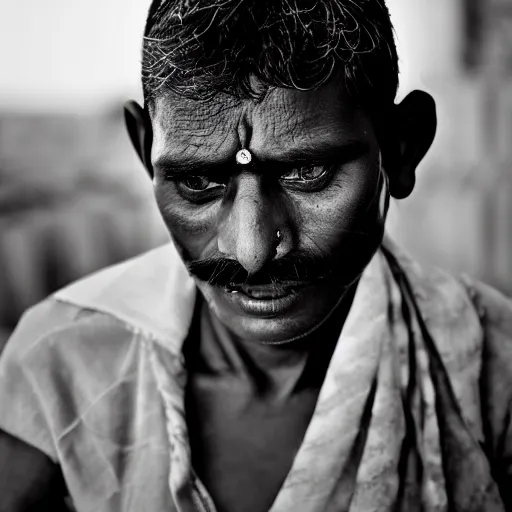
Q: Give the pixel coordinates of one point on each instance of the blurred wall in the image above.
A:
(73, 196)
(459, 215)
(69, 55)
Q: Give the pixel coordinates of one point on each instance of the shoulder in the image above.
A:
(471, 324)
(495, 312)
(152, 293)
(55, 337)
(470, 317)
(57, 363)
(448, 309)
(92, 329)
(87, 348)
(494, 308)
(439, 290)
(98, 312)
(74, 384)
(61, 358)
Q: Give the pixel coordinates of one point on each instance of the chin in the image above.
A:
(278, 320)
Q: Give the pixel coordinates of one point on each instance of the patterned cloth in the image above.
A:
(413, 415)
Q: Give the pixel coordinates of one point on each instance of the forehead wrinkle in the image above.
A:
(272, 119)
(189, 127)
(294, 118)
(192, 116)
(285, 117)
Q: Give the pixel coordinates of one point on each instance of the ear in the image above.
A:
(412, 133)
(140, 131)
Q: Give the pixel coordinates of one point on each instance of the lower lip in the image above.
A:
(263, 308)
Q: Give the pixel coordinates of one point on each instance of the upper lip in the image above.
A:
(268, 291)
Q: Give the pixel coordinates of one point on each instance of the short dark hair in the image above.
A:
(199, 48)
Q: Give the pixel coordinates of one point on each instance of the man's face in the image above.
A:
(273, 244)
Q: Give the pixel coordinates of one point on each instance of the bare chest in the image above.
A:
(243, 446)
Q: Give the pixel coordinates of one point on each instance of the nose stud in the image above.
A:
(277, 241)
(243, 157)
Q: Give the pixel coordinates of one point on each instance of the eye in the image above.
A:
(305, 173)
(307, 177)
(199, 189)
(197, 183)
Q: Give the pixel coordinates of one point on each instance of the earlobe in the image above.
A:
(140, 132)
(415, 126)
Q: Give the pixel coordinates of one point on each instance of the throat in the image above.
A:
(276, 371)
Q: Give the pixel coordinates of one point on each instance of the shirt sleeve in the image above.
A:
(22, 405)
(495, 311)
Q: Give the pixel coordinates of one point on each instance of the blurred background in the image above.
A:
(73, 197)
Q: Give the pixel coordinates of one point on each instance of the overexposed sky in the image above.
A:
(69, 53)
(80, 54)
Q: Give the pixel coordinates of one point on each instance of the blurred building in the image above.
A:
(73, 197)
(460, 215)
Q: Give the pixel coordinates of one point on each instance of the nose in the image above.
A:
(253, 230)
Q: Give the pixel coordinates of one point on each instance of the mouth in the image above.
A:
(264, 301)
(266, 292)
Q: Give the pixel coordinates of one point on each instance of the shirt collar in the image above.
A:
(153, 293)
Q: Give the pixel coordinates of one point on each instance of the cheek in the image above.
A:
(348, 210)
(192, 228)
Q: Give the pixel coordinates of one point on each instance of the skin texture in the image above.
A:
(340, 219)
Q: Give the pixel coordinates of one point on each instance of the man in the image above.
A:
(278, 355)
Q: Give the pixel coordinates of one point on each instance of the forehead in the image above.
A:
(284, 119)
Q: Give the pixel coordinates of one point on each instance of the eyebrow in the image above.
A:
(319, 152)
(192, 165)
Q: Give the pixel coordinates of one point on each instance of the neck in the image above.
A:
(279, 370)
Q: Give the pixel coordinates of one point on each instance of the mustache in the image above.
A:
(299, 268)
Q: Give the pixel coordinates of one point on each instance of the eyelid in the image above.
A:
(315, 184)
(209, 183)
(198, 197)
(220, 177)
(297, 168)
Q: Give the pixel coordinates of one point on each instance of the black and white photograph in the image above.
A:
(256, 256)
